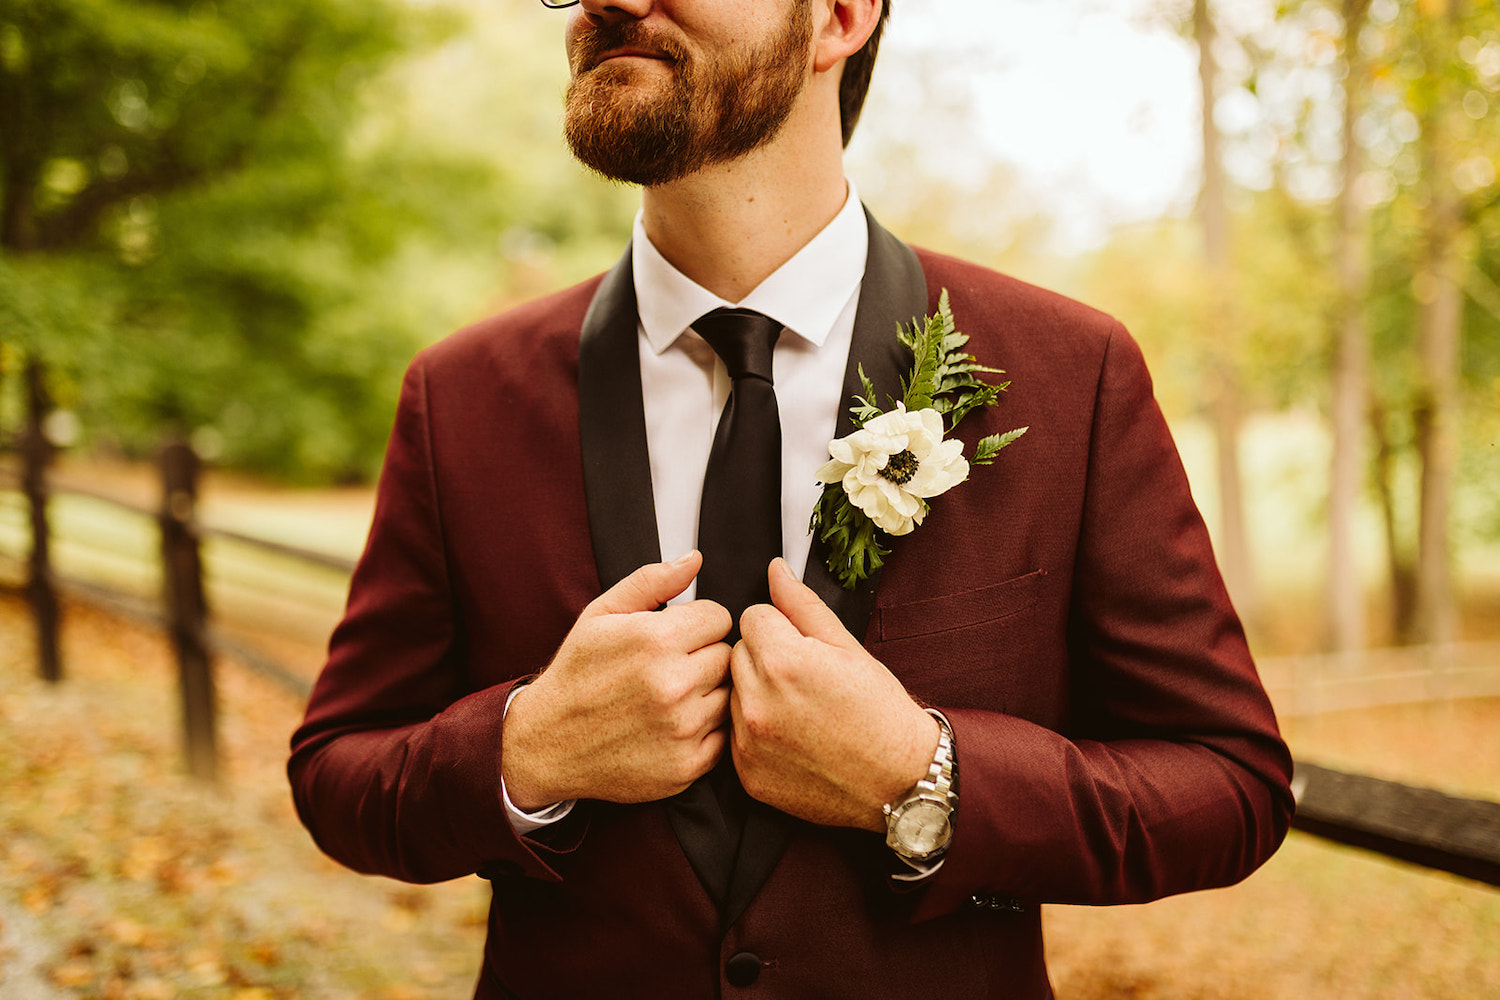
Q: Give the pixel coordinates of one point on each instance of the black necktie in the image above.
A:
(739, 523)
(739, 533)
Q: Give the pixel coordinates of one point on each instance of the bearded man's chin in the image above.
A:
(624, 136)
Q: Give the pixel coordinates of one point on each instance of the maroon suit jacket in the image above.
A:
(1062, 607)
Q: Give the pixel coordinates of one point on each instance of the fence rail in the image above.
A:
(131, 603)
(1419, 825)
(1336, 682)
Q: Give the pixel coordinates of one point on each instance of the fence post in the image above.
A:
(41, 586)
(187, 611)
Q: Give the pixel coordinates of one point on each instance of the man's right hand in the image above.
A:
(634, 706)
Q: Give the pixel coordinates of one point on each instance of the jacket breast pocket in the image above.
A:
(979, 648)
(956, 611)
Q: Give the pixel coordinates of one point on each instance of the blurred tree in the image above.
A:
(1384, 106)
(102, 101)
(240, 219)
(131, 128)
(1226, 405)
(1350, 386)
(1443, 59)
(1438, 97)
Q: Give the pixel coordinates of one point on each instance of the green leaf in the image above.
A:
(988, 447)
(864, 408)
(855, 544)
(925, 340)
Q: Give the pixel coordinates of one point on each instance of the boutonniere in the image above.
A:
(879, 479)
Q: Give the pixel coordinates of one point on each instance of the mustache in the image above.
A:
(590, 43)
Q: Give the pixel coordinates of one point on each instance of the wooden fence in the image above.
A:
(1418, 825)
(183, 610)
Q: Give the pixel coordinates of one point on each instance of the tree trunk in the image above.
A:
(1225, 407)
(1401, 571)
(1346, 622)
(41, 585)
(1439, 318)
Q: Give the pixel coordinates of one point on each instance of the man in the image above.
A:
(687, 778)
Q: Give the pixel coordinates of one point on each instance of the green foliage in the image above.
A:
(944, 376)
(988, 447)
(864, 408)
(855, 544)
(242, 219)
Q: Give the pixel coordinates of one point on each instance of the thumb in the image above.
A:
(648, 588)
(805, 609)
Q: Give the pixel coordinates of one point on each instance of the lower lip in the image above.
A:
(632, 55)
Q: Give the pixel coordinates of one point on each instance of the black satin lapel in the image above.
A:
(767, 833)
(612, 429)
(893, 294)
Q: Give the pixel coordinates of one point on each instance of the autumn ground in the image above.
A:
(121, 878)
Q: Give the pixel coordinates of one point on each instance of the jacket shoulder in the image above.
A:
(986, 302)
(540, 332)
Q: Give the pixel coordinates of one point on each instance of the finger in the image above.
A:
(715, 710)
(648, 588)
(709, 668)
(742, 668)
(697, 623)
(764, 627)
(712, 749)
(736, 711)
(804, 608)
(736, 735)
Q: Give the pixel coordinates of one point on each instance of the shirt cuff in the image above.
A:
(919, 869)
(530, 822)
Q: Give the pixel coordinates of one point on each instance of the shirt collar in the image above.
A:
(806, 294)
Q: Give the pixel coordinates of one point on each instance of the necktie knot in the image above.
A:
(743, 338)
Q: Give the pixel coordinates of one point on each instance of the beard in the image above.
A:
(701, 115)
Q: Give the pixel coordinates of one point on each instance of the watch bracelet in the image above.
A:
(946, 769)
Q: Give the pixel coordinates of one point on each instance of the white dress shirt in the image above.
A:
(685, 385)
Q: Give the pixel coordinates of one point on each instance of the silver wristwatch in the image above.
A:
(919, 825)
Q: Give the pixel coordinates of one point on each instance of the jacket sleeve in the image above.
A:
(396, 767)
(1172, 775)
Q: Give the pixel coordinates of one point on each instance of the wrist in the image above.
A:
(919, 823)
(908, 764)
(522, 761)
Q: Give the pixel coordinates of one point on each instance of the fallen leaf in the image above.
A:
(73, 973)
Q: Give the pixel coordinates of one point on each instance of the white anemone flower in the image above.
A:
(893, 463)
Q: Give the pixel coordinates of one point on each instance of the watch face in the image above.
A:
(922, 827)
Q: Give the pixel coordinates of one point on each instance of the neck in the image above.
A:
(729, 226)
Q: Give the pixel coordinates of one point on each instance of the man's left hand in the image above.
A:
(821, 729)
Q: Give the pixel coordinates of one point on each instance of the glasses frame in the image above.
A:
(550, 5)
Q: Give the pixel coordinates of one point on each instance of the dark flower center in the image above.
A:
(900, 467)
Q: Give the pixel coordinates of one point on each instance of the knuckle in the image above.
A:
(682, 727)
(718, 616)
(756, 726)
(756, 614)
(662, 692)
